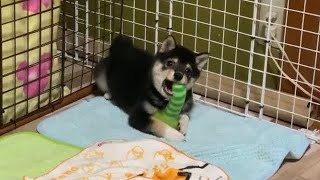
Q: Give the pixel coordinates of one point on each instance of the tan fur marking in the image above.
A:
(162, 130)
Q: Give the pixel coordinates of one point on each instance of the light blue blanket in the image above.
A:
(246, 148)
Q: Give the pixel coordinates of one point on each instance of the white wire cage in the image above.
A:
(264, 54)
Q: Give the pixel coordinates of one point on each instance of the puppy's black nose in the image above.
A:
(178, 76)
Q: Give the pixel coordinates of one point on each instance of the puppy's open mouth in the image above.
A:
(167, 87)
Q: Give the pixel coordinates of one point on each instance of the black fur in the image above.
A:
(184, 55)
(129, 78)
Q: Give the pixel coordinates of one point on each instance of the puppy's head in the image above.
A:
(175, 63)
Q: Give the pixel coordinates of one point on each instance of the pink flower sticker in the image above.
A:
(34, 77)
(35, 5)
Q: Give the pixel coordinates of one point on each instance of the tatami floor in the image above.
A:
(307, 168)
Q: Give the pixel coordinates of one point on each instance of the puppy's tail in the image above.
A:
(121, 42)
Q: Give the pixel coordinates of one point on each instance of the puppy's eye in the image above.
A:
(169, 63)
(188, 72)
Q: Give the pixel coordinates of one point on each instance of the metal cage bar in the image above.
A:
(78, 41)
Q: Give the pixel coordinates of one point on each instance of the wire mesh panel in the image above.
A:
(48, 51)
(30, 65)
(263, 54)
(87, 35)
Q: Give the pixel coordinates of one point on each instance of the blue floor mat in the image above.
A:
(246, 148)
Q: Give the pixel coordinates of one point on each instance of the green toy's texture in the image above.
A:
(170, 115)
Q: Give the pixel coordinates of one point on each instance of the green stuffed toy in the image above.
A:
(170, 115)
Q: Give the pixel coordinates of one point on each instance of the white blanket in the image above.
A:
(144, 159)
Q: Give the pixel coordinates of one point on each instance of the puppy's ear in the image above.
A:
(202, 59)
(168, 44)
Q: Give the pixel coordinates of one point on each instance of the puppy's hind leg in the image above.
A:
(101, 80)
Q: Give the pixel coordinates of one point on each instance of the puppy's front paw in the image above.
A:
(107, 96)
(183, 124)
(163, 130)
(173, 135)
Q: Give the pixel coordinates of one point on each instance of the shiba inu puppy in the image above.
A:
(140, 83)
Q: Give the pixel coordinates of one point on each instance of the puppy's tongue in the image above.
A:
(168, 87)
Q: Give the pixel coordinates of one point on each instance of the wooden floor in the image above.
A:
(307, 168)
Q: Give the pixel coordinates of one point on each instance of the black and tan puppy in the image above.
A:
(140, 83)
